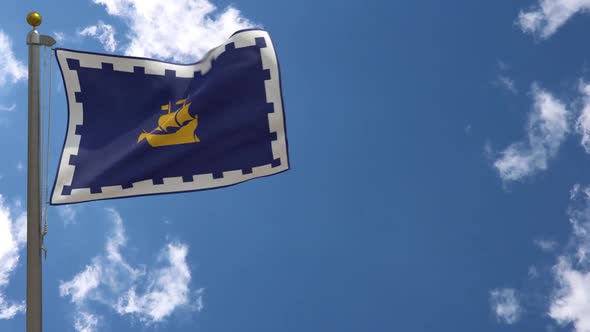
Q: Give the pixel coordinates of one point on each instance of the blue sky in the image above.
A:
(438, 175)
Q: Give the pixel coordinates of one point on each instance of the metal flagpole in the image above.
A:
(34, 307)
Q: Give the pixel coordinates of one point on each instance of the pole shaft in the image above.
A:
(34, 276)
(34, 270)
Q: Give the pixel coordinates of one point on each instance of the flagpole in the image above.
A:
(34, 285)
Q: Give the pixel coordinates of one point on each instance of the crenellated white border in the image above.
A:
(174, 184)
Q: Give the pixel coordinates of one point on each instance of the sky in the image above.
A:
(438, 151)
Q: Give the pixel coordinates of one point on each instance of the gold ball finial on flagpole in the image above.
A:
(34, 19)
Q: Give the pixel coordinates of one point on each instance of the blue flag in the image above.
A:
(141, 126)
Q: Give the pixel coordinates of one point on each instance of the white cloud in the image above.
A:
(59, 36)
(583, 122)
(85, 322)
(533, 272)
(570, 302)
(468, 129)
(181, 30)
(11, 69)
(167, 288)
(10, 108)
(502, 66)
(9, 310)
(107, 272)
(151, 296)
(575, 190)
(13, 237)
(580, 221)
(67, 213)
(505, 305)
(507, 83)
(82, 284)
(546, 130)
(118, 265)
(198, 306)
(549, 15)
(569, 298)
(105, 34)
(546, 245)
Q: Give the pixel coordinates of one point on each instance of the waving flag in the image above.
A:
(141, 126)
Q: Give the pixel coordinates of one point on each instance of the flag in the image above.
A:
(140, 126)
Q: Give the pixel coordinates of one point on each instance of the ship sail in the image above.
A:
(176, 119)
(166, 121)
(181, 119)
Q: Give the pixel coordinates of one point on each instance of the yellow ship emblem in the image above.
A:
(173, 127)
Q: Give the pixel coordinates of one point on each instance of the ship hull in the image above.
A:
(184, 135)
